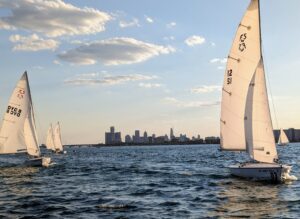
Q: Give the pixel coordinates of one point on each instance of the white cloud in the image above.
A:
(221, 67)
(172, 24)
(133, 23)
(213, 44)
(56, 62)
(189, 104)
(218, 60)
(149, 19)
(194, 40)
(115, 51)
(150, 85)
(52, 18)
(100, 79)
(206, 89)
(32, 43)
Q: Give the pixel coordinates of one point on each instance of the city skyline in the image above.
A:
(139, 64)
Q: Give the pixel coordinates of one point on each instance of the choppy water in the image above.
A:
(145, 182)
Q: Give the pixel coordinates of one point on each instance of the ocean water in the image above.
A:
(146, 182)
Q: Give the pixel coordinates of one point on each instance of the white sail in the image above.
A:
(242, 61)
(57, 138)
(258, 124)
(282, 138)
(50, 139)
(17, 119)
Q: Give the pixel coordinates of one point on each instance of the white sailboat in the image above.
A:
(246, 123)
(283, 139)
(18, 132)
(57, 139)
(50, 139)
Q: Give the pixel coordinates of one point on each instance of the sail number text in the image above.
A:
(229, 76)
(242, 45)
(14, 111)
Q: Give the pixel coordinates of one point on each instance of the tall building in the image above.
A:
(137, 138)
(128, 139)
(113, 137)
(172, 134)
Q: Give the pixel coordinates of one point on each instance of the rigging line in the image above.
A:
(270, 90)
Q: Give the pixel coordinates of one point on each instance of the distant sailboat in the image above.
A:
(283, 140)
(246, 123)
(57, 139)
(53, 140)
(50, 139)
(18, 132)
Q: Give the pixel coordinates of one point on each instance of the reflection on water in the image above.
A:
(240, 198)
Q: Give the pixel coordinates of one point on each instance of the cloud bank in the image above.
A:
(115, 51)
(52, 18)
(32, 43)
(109, 80)
(190, 104)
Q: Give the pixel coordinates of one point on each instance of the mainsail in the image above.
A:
(18, 132)
(57, 138)
(242, 61)
(282, 138)
(245, 115)
(50, 139)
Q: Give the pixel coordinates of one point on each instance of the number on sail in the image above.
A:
(242, 45)
(14, 111)
(229, 76)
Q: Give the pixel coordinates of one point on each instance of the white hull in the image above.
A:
(261, 171)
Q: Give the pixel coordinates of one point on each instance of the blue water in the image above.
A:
(146, 182)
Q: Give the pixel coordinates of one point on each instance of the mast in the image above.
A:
(259, 22)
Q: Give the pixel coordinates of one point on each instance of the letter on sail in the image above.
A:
(242, 61)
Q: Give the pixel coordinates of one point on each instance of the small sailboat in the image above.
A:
(283, 139)
(18, 131)
(53, 140)
(50, 139)
(57, 139)
(245, 122)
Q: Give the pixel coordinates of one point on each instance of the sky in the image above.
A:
(147, 65)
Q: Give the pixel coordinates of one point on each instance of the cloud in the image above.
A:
(206, 89)
(115, 51)
(56, 62)
(194, 40)
(150, 85)
(32, 43)
(52, 18)
(133, 23)
(109, 80)
(149, 19)
(189, 104)
(218, 60)
(172, 24)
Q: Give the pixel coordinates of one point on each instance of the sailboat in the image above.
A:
(53, 140)
(18, 131)
(245, 122)
(57, 139)
(283, 140)
(50, 139)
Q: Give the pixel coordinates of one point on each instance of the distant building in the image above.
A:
(113, 137)
(128, 139)
(137, 139)
(172, 136)
(212, 140)
(145, 138)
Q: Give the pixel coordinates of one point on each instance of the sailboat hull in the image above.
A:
(38, 162)
(261, 171)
